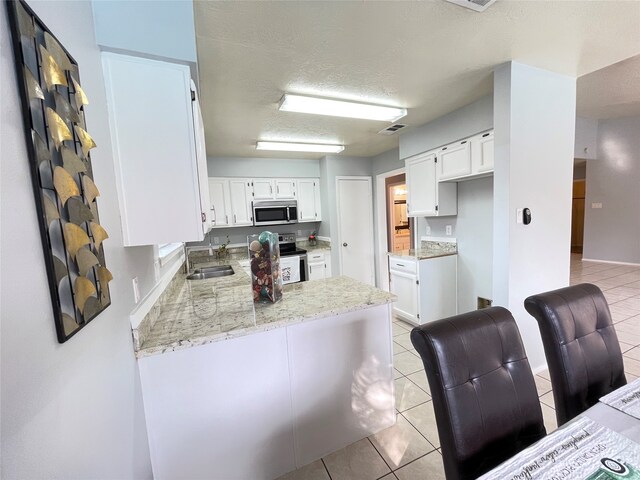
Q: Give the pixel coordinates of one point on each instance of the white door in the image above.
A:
(220, 202)
(355, 228)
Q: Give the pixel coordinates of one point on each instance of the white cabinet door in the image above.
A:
(319, 265)
(421, 185)
(404, 285)
(308, 200)
(201, 161)
(263, 189)
(317, 271)
(285, 189)
(151, 122)
(240, 193)
(454, 160)
(220, 202)
(482, 154)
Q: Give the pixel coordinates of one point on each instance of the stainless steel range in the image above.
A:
(293, 260)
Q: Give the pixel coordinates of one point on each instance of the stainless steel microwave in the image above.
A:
(275, 212)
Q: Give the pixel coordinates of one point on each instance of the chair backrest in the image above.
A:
(581, 346)
(484, 396)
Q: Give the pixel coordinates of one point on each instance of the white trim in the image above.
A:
(610, 261)
(339, 250)
(541, 368)
(170, 251)
(381, 209)
(147, 303)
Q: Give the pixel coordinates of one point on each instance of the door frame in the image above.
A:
(339, 244)
(381, 235)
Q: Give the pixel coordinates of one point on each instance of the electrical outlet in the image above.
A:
(136, 290)
(428, 230)
(447, 229)
(596, 205)
(299, 233)
(216, 240)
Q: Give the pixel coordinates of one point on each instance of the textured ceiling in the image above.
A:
(430, 57)
(611, 92)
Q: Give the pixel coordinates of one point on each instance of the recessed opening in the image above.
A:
(484, 303)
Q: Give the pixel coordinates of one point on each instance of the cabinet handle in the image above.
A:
(270, 189)
(226, 219)
(399, 265)
(300, 216)
(486, 134)
(278, 189)
(234, 218)
(215, 217)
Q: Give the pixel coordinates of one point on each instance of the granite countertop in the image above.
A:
(206, 311)
(428, 249)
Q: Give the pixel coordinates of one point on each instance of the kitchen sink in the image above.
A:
(211, 272)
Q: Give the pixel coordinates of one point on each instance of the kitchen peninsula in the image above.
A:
(233, 390)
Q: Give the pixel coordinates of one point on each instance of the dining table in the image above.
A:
(602, 443)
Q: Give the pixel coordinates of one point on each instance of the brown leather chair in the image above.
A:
(484, 396)
(581, 346)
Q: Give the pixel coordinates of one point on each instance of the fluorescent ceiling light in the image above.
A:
(299, 147)
(340, 108)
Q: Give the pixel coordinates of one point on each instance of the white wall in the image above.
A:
(474, 234)
(164, 29)
(612, 232)
(534, 117)
(468, 120)
(263, 167)
(72, 410)
(586, 143)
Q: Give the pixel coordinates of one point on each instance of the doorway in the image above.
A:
(398, 224)
(577, 216)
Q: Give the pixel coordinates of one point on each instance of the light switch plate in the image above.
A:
(519, 212)
(596, 205)
(447, 230)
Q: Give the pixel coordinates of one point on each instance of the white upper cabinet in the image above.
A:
(454, 160)
(425, 196)
(467, 159)
(421, 175)
(240, 194)
(201, 160)
(285, 189)
(264, 189)
(274, 189)
(220, 198)
(482, 153)
(154, 146)
(309, 200)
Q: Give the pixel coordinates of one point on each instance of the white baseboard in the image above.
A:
(541, 368)
(610, 261)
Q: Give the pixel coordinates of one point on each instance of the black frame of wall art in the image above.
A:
(58, 146)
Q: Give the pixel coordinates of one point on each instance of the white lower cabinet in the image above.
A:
(426, 289)
(318, 265)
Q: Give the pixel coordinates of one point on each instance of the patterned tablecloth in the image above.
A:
(582, 449)
(626, 399)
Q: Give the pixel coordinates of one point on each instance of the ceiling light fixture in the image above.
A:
(299, 147)
(340, 108)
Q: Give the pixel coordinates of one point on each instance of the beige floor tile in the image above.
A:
(544, 374)
(630, 377)
(389, 476)
(626, 291)
(627, 337)
(620, 311)
(627, 327)
(404, 339)
(611, 298)
(396, 374)
(424, 419)
(635, 284)
(400, 444)
(549, 416)
(631, 366)
(633, 321)
(408, 394)
(542, 385)
(398, 329)
(358, 461)
(313, 471)
(547, 399)
(624, 347)
(429, 467)
(407, 362)
(633, 353)
(420, 379)
(397, 348)
(631, 304)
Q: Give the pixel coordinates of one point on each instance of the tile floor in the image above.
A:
(410, 449)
